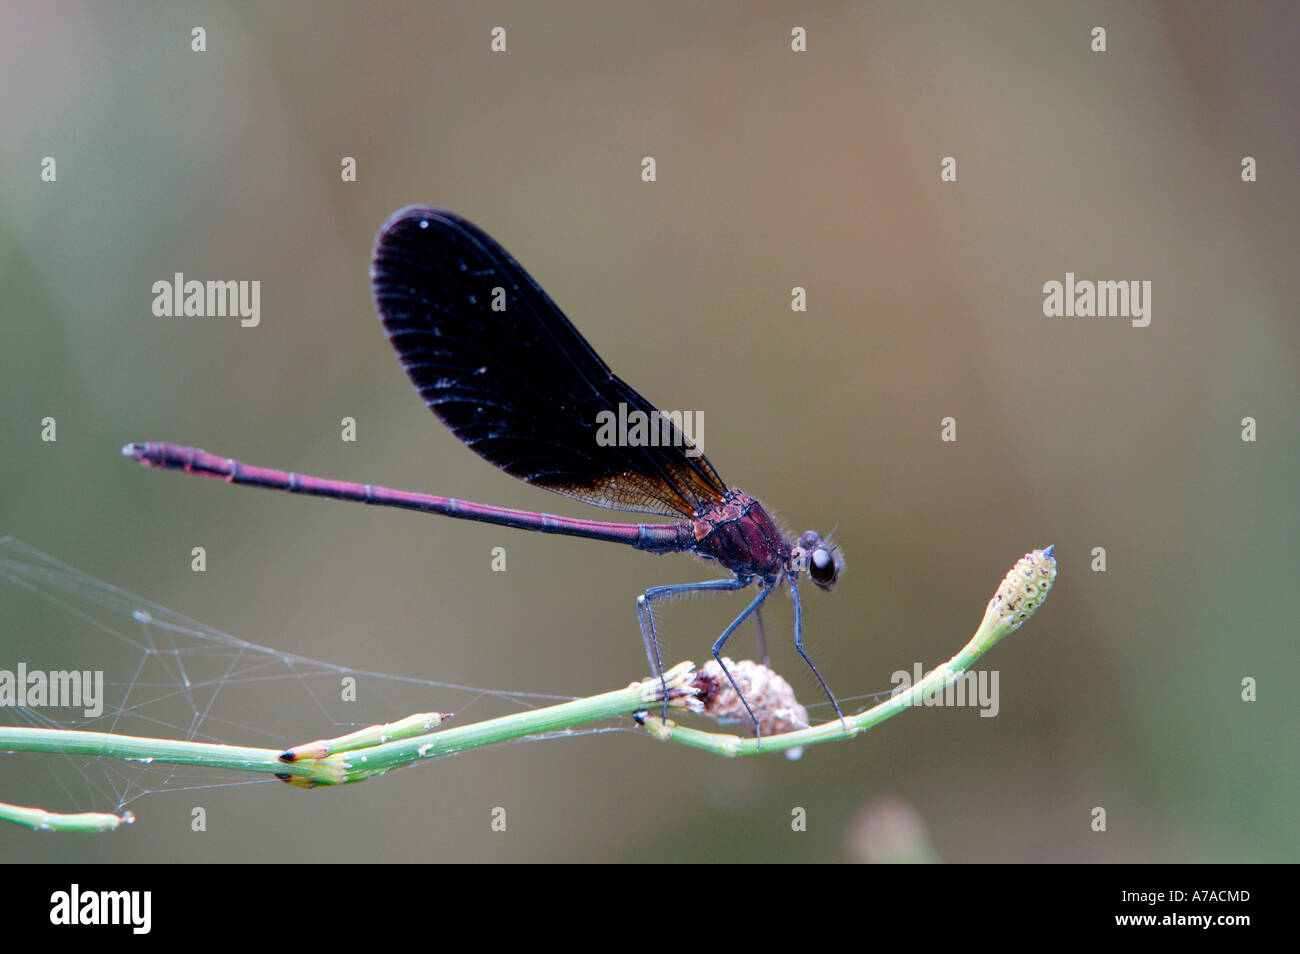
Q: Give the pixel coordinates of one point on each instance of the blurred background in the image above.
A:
(775, 169)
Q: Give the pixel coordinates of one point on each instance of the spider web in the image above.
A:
(168, 676)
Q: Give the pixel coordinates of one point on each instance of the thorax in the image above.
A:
(740, 535)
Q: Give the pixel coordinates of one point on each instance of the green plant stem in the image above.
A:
(935, 681)
(38, 819)
(376, 760)
(362, 763)
(336, 769)
(364, 753)
(140, 749)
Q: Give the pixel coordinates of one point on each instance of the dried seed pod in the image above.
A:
(768, 694)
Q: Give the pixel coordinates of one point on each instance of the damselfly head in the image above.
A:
(818, 557)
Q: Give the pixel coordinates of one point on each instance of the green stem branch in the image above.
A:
(380, 749)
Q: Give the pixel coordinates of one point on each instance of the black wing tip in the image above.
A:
(418, 229)
(399, 222)
(409, 212)
(423, 216)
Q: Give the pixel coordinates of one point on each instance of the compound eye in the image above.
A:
(821, 567)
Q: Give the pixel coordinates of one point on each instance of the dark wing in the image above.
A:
(519, 386)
